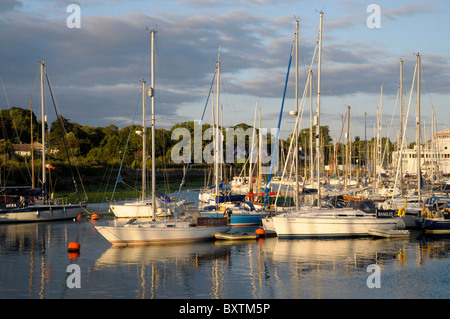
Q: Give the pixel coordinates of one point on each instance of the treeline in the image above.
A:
(104, 146)
(92, 146)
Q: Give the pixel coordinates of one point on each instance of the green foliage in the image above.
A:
(105, 146)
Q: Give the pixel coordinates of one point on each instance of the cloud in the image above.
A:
(7, 5)
(96, 70)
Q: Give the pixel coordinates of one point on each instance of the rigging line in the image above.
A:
(63, 131)
(389, 129)
(118, 179)
(274, 149)
(337, 148)
(404, 129)
(5, 133)
(195, 138)
(138, 76)
(296, 122)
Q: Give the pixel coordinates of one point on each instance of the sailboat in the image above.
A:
(240, 212)
(143, 206)
(181, 229)
(410, 205)
(30, 204)
(436, 219)
(321, 221)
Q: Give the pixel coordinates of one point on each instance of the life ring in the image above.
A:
(402, 212)
(426, 213)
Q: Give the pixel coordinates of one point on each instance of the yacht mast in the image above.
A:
(216, 148)
(32, 142)
(418, 129)
(318, 111)
(151, 93)
(347, 149)
(296, 110)
(43, 134)
(311, 161)
(401, 121)
(144, 143)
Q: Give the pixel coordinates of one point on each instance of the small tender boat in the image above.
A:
(236, 236)
(391, 233)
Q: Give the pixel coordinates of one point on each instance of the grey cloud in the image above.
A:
(96, 69)
(7, 5)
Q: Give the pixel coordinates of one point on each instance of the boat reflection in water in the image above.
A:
(169, 270)
(34, 261)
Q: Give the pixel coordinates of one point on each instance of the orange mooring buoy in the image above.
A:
(94, 217)
(73, 247)
(260, 232)
(73, 250)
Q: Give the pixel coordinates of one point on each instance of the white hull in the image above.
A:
(330, 223)
(42, 213)
(158, 233)
(135, 210)
(268, 225)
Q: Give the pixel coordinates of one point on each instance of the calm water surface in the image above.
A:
(34, 261)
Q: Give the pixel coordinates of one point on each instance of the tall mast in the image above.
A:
(252, 147)
(401, 119)
(297, 168)
(43, 133)
(152, 95)
(216, 148)
(365, 149)
(32, 142)
(144, 144)
(347, 149)
(418, 128)
(311, 161)
(318, 111)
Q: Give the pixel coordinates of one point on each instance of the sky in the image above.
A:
(96, 70)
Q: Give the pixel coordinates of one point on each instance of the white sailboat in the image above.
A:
(175, 230)
(22, 205)
(409, 206)
(324, 222)
(143, 207)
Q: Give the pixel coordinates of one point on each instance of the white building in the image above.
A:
(435, 153)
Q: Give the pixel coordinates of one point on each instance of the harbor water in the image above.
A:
(35, 264)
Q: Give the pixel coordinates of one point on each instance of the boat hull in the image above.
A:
(333, 225)
(136, 210)
(42, 213)
(435, 226)
(268, 226)
(174, 232)
(243, 218)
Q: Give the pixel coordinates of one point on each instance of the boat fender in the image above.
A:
(402, 212)
(426, 213)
